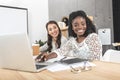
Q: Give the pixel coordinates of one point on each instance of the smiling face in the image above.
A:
(79, 26)
(53, 30)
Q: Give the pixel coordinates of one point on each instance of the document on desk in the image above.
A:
(57, 67)
(61, 66)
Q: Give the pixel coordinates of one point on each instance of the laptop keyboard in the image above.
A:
(40, 66)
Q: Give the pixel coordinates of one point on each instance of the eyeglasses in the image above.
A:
(81, 69)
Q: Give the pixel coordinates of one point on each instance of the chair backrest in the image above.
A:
(112, 56)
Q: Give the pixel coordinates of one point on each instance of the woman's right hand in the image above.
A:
(41, 57)
(44, 56)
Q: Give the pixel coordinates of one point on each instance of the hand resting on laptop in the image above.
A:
(44, 56)
(41, 57)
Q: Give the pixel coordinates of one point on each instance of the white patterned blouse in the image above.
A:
(89, 48)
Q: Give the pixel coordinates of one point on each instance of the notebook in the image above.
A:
(72, 60)
(16, 53)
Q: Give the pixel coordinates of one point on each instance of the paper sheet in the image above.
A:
(57, 67)
(60, 66)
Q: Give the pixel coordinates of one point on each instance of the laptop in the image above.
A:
(16, 53)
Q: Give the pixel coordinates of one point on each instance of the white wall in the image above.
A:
(37, 16)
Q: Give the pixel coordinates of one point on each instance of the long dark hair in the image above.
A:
(89, 24)
(49, 41)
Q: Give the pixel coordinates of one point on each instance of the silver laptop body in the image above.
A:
(16, 53)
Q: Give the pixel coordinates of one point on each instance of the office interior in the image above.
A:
(105, 16)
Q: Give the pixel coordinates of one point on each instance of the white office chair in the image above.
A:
(112, 56)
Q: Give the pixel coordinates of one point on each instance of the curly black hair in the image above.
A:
(90, 26)
(49, 41)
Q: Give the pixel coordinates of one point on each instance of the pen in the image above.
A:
(63, 58)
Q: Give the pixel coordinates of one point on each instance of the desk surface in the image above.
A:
(103, 71)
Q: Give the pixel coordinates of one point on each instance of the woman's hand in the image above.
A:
(41, 57)
(44, 56)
